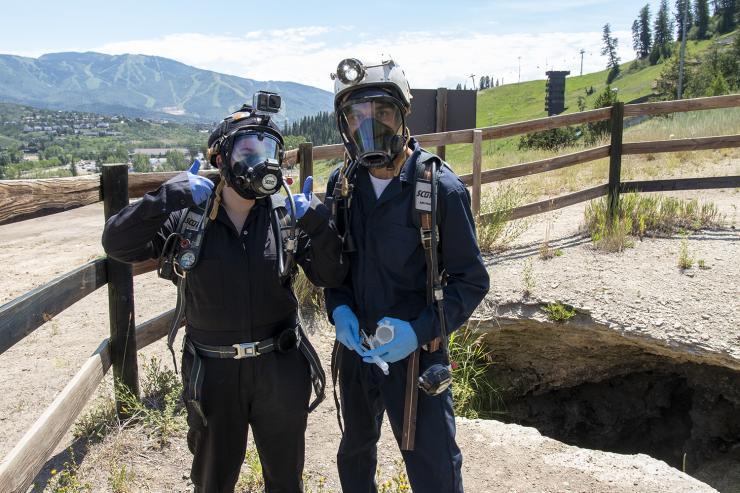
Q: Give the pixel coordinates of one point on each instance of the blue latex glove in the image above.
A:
(348, 328)
(200, 186)
(404, 343)
(302, 200)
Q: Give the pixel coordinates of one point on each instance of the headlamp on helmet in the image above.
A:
(349, 71)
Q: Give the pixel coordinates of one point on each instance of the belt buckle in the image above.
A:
(245, 350)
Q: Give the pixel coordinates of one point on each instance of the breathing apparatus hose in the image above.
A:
(285, 251)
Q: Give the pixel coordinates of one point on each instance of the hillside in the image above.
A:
(141, 86)
(526, 100)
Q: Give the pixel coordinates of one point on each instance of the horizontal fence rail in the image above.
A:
(26, 459)
(513, 129)
(26, 199)
(683, 105)
(525, 169)
(680, 184)
(23, 315)
(675, 145)
(554, 203)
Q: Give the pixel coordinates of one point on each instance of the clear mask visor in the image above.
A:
(372, 124)
(253, 148)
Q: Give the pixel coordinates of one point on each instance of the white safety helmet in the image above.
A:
(371, 103)
(353, 74)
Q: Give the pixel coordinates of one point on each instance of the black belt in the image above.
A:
(248, 350)
(287, 340)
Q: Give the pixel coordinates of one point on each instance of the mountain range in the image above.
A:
(142, 86)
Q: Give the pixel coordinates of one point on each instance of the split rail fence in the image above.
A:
(25, 199)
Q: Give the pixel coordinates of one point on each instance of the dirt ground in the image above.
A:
(497, 457)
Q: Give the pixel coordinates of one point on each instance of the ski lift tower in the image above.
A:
(555, 92)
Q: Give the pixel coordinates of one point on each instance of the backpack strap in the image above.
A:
(424, 181)
(422, 218)
(180, 254)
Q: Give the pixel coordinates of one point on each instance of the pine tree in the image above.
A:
(702, 19)
(610, 50)
(459, 86)
(663, 31)
(680, 9)
(641, 35)
(636, 37)
(726, 15)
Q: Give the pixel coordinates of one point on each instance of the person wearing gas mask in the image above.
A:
(409, 281)
(232, 251)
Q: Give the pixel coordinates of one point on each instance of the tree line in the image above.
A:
(655, 40)
(320, 129)
(652, 39)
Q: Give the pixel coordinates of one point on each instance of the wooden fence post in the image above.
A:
(114, 187)
(615, 158)
(305, 158)
(441, 125)
(477, 161)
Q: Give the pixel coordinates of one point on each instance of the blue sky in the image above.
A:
(438, 43)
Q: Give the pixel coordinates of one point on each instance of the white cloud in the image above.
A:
(307, 55)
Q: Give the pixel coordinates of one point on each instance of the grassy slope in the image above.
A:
(526, 101)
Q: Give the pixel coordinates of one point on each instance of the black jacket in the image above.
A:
(388, 271)
(234, 293)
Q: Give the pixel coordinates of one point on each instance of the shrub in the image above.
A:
(557, 312)
(550, 140)
(494, 229)
(66, 480)
(473, 393)
(159, 410)
(641, 215)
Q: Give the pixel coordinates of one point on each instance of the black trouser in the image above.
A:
(270, 393)
(434, 466)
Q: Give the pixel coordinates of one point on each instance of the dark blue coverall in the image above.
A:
(388, 276)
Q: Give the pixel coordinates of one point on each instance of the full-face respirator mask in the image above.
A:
(251, 148)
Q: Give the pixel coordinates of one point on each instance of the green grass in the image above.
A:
(120, 479)
(66, 480)
(474, 395)
(528, 280)
(646, 215)
(159, 411)
(310, 297)
(494, 230)
(685, 259)
(250, 479)
(397, 483)
(557, 312)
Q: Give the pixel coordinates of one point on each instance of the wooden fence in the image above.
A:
(31, 198)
